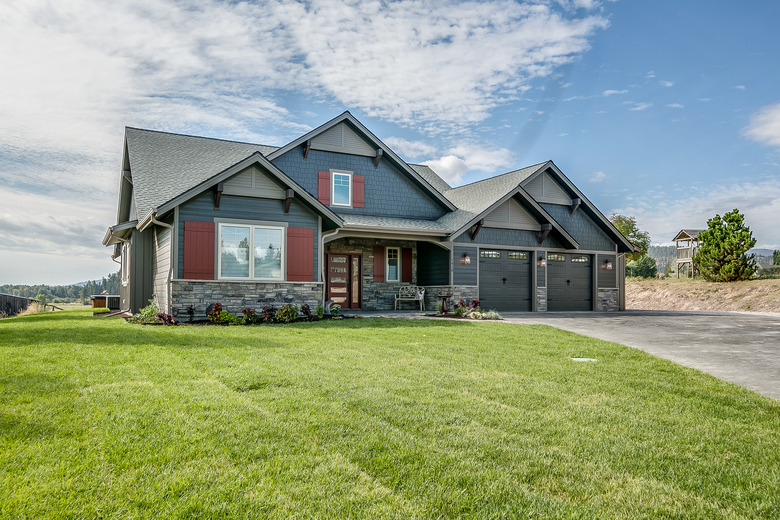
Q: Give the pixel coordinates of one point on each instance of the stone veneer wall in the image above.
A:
(608, 300)
(432, 298)
(235, 295)
(541, 299)
(376, 295)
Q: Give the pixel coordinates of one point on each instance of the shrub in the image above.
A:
(250, 316)
(439, 308)
(215, 313)
(320, 311)
(460, 310)
(268, 313)
(475, 304)
(166, 319)
(146, 315)
(335, 309)
(190, 313)
(228, 318)
(287, 314)
(306, 311)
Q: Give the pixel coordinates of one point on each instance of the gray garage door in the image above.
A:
(504, 280)
(569, 282)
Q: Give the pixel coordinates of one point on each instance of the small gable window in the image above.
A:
(342, 188)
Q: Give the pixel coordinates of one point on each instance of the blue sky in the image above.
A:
(667, 111)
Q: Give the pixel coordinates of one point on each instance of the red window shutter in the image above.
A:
(406, 264)
(379, 264)
(323, 187)
(300, 254)
(358, 191)
(198, 250)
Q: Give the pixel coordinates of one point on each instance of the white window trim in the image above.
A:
(387, 264)
(333, 174)
(125, 259)
(252, 226)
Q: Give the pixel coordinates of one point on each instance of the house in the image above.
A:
(11, 305)
(336, 215)
(687, 241)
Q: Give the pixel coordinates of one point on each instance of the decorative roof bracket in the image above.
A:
(218, 194)
(546, 228)
(575, 203)
(475, 229)
(289, 195)
(378, 156)
(306, 148)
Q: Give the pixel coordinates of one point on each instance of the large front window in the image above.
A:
(342, 189)
(250, 252)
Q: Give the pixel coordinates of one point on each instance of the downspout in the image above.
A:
(123, 241)
(169, 278)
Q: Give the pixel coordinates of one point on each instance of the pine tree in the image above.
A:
(775, 257)
(723, 249)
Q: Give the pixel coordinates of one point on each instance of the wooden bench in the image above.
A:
(411, 293)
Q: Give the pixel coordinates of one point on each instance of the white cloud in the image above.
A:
(638, 106)
(666, 83)
(664, 216)
(598, 177)
(740, 87)
(467, 157)
(764, 126)
(675, 105)
(409, 149)
(650, 74)
(608, 93)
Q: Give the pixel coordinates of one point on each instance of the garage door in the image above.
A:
(569, 282)
(504, 280)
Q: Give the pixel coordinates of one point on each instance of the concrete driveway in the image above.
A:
(742, 348)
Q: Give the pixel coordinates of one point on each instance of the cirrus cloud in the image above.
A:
(764, 126)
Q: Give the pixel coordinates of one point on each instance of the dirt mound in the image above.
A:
(696, 295)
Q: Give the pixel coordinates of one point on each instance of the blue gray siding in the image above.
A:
(607, 278)
(581, 227)
(433, 264)
(509, 237)
(464, 274)
(388, 191)
(201, 209)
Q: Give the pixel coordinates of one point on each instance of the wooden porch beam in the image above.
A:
(575, 203)
(306, 148)
(378, 156)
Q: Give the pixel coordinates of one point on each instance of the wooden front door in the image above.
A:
(345, 284)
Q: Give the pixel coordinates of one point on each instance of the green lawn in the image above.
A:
(368, 419)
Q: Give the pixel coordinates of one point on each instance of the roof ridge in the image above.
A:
(198, 137)
(500, 175)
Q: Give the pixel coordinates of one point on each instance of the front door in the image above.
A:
(344, 280)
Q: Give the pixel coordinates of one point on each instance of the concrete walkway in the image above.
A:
(742, 348)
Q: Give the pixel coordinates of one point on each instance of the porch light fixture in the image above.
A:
(542, 261)
(465, 259)
(607, 265)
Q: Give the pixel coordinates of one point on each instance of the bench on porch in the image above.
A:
(411, 293)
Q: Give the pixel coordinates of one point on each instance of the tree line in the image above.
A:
(65, 293)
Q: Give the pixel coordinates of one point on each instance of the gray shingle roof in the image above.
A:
(166, 165)
(393, 223)
(472, 199)
(431, 177)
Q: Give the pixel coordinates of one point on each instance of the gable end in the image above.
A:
(342, 139)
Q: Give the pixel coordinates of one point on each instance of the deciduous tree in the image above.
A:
(723, 249)
(628, 227)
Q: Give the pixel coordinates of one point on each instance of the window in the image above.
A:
(393, 264)
(342, 188)
(489, 254)
(251, 252)
(582, 259)
(555, 257)
(514, 255)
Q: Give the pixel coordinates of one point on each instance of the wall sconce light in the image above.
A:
(542, 261)
(607, 265)
(465, 259)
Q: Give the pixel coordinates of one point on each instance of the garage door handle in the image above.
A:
(504, 280)
(568, 282)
